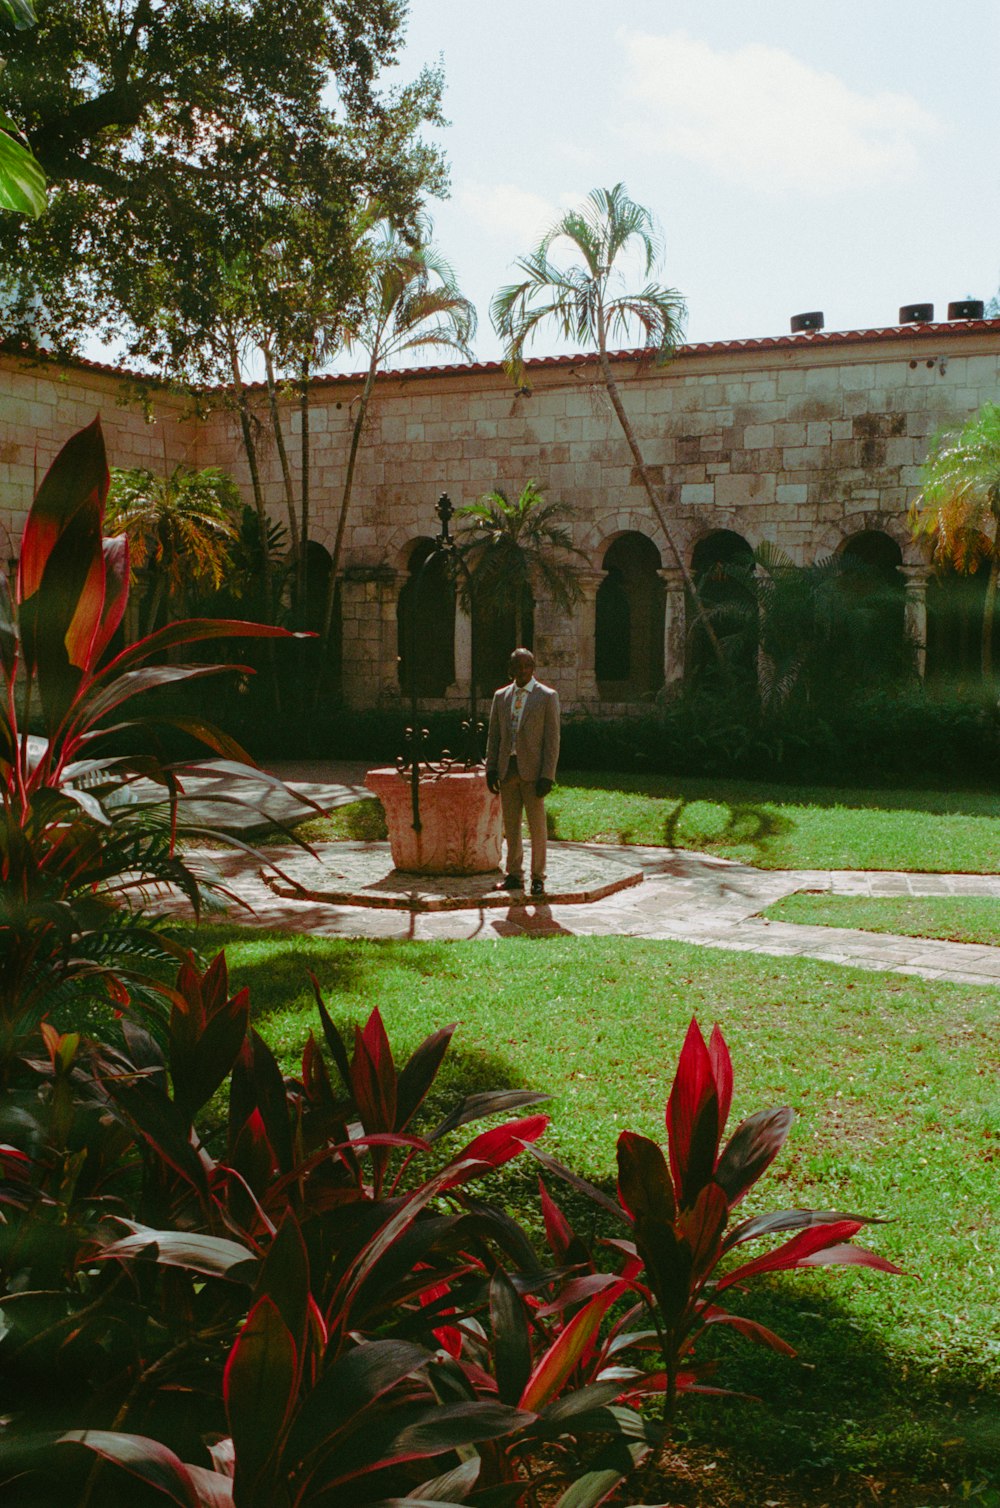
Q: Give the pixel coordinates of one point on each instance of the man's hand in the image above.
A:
(542, 787)
(493, 781)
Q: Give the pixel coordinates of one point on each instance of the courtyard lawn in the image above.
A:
(968, 919)
(774, 827)
(894, 1082)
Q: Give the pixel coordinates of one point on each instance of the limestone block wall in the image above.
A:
(804, 441)
(42, 404)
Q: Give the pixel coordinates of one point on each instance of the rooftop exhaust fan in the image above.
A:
(966, 308)
(811, 321)
(917, 314)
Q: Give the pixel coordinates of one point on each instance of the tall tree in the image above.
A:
(590, 302)
(22, 182)
(513, 546)
(411, 302)
(182, 525)
(140, 112)
(958, 508)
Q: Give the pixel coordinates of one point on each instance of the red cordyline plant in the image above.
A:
(683, 1253)
(74, 838)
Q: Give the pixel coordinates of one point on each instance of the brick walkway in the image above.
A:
(683, 896)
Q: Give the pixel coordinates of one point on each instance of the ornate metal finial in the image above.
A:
(445, 510)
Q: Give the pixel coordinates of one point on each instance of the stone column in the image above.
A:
(674, 625)
(585, 615)
(391, 584)
(915, 611)
(462, 684)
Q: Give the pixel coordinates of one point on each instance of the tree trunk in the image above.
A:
(279, 440)
(989, 608)
(650, 489)
(251, 454)
(345, 501)
(302, 572)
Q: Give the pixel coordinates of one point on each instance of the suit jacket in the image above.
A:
(537, 737)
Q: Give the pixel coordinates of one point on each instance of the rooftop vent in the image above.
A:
(811, 321)
(917, 314)
(966, 308)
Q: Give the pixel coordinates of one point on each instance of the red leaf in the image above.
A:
(567, 1351)
(692, 1113)
(751, 1149)
(493, 1148)
(722, 1072)
(373, 1075)
(142, 1457)
(643, 1181)
(702, 1227)
(77, 479)
(750, 1329)
(116, 574)
(805, 1249)
(558, 1231)
(259, 1390)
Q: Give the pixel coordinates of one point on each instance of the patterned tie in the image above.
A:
(519, 695)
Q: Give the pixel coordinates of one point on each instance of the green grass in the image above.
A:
(894, 1082)
(774, 827)
(956, 918)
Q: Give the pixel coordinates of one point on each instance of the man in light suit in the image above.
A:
(522, 749)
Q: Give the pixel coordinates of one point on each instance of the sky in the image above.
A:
(797, 154)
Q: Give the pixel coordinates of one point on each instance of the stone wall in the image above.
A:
(803, 441)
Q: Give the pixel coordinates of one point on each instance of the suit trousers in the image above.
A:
(517, 796)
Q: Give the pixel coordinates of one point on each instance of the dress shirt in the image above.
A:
(517, 711)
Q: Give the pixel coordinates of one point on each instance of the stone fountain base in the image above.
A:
(363, 874)
(460, 822)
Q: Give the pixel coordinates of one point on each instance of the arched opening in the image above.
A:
(875, 588)
(722, 565)
(425, 623)
(955, 605)
(628, 632)
(496, 632)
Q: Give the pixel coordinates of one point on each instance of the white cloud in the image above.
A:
(508, 212)
(759, 117)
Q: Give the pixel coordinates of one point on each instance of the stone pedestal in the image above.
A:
(460, 823)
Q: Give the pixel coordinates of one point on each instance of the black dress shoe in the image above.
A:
(511, 882)
(538, 887)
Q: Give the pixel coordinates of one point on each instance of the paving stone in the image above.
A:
(694, 898)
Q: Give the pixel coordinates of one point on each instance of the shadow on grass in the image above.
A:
(847, 1403)
(739, 793)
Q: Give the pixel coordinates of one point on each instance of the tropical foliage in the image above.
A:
(316, 1300)
(590, 302)
(512, 547)
(182, 526)
(411, 302)
(814, 633)
(958, 508)
(22, 182)
(84, 827)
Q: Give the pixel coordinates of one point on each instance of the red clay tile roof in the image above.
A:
(888, 333)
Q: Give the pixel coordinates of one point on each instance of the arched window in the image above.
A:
(425, 621)
(628, 632)
(955, 606)
(876, 589)
(496, 632)
(722, 563)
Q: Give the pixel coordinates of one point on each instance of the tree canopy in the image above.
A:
(173, 135)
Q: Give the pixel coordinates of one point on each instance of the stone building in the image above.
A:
(812, 441)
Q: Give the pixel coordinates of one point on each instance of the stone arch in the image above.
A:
(629, 619)
(604, 530)
(425, 621)
(833, 539)
(732, 604)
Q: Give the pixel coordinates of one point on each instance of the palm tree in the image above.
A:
(958, 508)
(514, 545)
(412, 303)
(183, 525)
(589, 302)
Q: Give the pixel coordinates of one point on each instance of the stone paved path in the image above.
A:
(688, 897)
